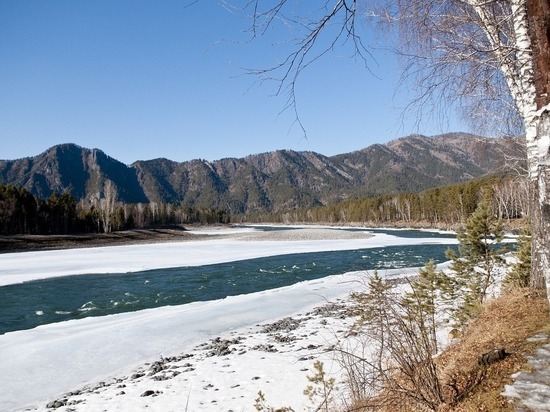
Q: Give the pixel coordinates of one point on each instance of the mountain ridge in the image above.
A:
(270, 181)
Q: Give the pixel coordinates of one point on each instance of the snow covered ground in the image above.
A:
(531, 389)
(212, 356)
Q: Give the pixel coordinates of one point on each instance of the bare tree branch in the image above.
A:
(333, 24)
(458, 54)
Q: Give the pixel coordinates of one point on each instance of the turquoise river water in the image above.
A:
(27, 305)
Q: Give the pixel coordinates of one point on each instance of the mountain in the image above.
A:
(71, 168)
(417, 162)
(272, 181)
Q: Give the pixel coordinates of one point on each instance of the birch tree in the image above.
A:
(107, 205)
(489, 58)
(538, 140)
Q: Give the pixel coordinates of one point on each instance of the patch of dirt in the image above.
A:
(26, 243)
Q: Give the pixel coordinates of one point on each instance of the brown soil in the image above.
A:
(25, 243)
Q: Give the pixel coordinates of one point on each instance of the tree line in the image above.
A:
(23, 213)
(448, 206)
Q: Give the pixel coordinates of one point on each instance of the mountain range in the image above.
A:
(272, 181)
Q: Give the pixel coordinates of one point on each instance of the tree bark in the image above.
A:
(538, 12)
(540, 212)
(540, 201)
(539, 31)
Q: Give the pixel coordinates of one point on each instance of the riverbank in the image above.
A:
(226, 372)
(27, 243)
(207, 356)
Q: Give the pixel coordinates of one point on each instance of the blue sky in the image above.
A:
(142, 79)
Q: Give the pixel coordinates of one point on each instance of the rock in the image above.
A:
(221, 347)
(156, 368)
(148, 393)
(331, 309)
(285, 338)
(286, 324)
(454, 334)
(492, 356)
(266, 348)
(56, 404)
(161, 377)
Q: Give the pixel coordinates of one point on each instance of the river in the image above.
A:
(30, 304)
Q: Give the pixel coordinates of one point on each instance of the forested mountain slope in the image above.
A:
(272, 181)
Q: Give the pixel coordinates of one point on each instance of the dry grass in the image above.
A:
(506, 323)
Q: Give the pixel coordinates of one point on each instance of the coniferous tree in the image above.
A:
(519, 275)
(371, 302)
(372, 306)
(421, 302)
(475, 265)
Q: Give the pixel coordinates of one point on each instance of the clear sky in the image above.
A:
(143, 79)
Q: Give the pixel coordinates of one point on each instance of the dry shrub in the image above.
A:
(396, 367)
(506, 323)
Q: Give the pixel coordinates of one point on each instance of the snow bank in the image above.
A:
(24, 267)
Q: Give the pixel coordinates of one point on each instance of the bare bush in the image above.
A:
(394, 368)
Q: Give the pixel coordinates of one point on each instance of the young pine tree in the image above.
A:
(519, 275)
(474, 266)
(370, 304)
(420, 302)
(320, 390)
(372, 307)
(400, 369)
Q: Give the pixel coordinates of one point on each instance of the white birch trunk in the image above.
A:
(541, 199)
(519, 72)
(537, 134)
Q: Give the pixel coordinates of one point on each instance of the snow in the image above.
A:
(41, 364)
(133, 258)
(531, 389)
(45, 361)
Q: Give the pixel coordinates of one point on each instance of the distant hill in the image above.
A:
(272, 181)
(71, 168)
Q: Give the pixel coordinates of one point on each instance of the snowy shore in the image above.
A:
(212, 355)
